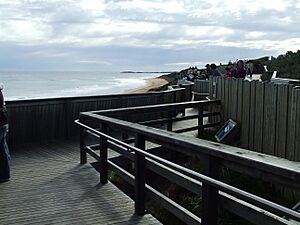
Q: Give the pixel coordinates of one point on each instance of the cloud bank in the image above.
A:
(143, 35)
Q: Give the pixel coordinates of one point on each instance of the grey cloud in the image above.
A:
(66, 20)
(118, 58)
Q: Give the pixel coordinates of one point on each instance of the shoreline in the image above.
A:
(151, 83)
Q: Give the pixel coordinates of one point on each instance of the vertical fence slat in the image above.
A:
(240, 101)
(252, 114)
(234, 96)
(246, 114)
(291, 124)
(259, 118)
(220, 95)
(223, 97)
(226, 99)
(210, 88)
(269, 118)
(297, 140)
(282, 119)
(230, 99)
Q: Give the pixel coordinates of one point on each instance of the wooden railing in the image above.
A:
(215, 194)
(53, 118)
(167, 113)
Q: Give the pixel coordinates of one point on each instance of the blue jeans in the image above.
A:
(4, 154)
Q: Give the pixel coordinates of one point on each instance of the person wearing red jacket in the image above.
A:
(240, 70)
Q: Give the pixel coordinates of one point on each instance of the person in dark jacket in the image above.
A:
(4, 152)
(240, 70)
(214, 71)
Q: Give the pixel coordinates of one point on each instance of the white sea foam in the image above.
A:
(35, 85)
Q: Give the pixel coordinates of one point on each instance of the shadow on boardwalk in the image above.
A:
(48, 186)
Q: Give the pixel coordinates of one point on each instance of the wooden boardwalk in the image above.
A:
(49, 186)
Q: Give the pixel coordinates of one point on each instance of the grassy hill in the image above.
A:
(286, 65)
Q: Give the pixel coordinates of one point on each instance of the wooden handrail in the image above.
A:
(260, 202)
(151, 108)
(270, 168)
(213, 155)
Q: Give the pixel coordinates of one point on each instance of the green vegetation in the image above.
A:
(287, 65)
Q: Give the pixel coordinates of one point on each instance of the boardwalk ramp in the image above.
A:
(48, 186)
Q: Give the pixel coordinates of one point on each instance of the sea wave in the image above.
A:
(45, 88)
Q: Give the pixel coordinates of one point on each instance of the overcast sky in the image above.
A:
(142, 35)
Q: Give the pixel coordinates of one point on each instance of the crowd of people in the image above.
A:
(237, 69)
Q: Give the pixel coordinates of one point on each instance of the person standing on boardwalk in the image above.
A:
(227, 72)
(240, 70)
(214, 71)
(4, 152)
(207, 71)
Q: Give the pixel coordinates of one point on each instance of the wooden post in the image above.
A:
(183, 100)
(174, 96)
(124, 136)
(200, 120)
(140, 177)
(210, 196)
(82, 144)
(170, 122)
(103, 156)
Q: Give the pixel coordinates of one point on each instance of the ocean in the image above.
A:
(36, 85)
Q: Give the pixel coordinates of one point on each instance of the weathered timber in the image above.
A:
(259, 117)
(245, 123)
(297, 134)
(210, 195)
(140, 176)
(252, 114)
(282, 121)
(43, 119)
(269, 118)
(286, 170)
(215, 194)
(265, 112)
(49, 186)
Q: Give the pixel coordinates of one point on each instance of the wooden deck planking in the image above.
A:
(49, 186)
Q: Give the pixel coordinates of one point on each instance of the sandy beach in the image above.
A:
(150, 84)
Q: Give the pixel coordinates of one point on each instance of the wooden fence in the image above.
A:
(44, 119)
(201, 86)
(268, 114)
(200, 89)
(207, 184)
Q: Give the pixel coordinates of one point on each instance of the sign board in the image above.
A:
(228, 133)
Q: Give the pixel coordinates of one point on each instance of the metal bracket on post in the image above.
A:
(103, 156)
(140, 176)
